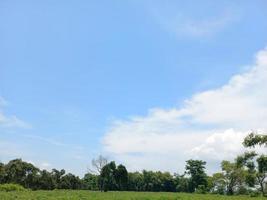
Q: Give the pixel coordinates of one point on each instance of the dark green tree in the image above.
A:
(198, 177)
(121, 177)
(90, 181)
(70, 181)
(181, 183)
(135, 181)
(57, 176)
(2, 173)
(20, 172)
(107, 177)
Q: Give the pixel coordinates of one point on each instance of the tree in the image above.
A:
(234, 176)
(217, 183)
(70, 181)
(198, 177)
(90, 181)
(262, 171)
(46, 181)
(150, 181)
(135, 181)
(256, 169)
(121, 177)
(168, 182)
(107, 177)
(181, 182)
(20, 172)
(57, 176)
(2, 173)
(254, 139)
(98, 164)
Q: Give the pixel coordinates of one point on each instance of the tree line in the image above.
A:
(246, 174)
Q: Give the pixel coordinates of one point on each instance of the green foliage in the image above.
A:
(20, 172)
(196, 170)
(201, 189)
(70, 181)
(254, 139)
(29, 176)
(182, 183)
(107, 177)
(135, 181)
(11, 187)
(233, 175)
(254, 193)
(121, 177)
(217, 183)
(90, 182)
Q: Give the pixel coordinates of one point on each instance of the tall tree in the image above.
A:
(262, 172)
(107, 177)
(256, 169)
(196, 170)
(121, 177)
(252, 140)
(234, 175)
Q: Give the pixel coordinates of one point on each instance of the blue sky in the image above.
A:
(73, 72)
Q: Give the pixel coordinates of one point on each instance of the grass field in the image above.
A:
(86, 195)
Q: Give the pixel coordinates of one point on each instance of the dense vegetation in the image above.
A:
(88, 195)
(246, 175)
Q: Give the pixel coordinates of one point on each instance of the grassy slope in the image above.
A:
(86, 195)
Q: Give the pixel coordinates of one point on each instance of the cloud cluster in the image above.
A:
(210, 125)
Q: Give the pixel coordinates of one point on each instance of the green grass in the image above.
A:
(87, 195)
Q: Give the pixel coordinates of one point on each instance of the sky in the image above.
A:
(146, 83)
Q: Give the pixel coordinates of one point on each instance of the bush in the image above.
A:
(242, 191)
(201, 189)
(11, 187)
(254, 193)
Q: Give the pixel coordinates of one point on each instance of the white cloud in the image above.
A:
(210, 125)
(45, 165)
(220, 146)
(10, 121)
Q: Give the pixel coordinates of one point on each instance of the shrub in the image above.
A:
(201, 189)
(11, 187)
(254, 193)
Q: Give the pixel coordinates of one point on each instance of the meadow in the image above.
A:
(88, 195)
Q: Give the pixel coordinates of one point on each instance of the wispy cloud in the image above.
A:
(46, 140)
(53, 141)
(211, 121)
(189, 25)
(10, 121)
